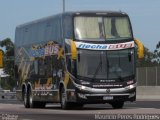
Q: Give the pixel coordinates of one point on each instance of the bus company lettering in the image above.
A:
(121, 46)
(93, 46)
(51, 49)
(105, 46)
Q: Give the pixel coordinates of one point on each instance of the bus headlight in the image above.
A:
(131, 86)
(84, 88)
(81, 87)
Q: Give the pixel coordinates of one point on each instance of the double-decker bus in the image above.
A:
(77, 58)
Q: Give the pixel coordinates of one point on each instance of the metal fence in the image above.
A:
(148, 76)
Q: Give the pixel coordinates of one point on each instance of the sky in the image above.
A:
(144, 14)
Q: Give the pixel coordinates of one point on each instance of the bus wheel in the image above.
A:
(31, 103)
(35, 104)
(117, 104)
(26, 99)
(63, 97)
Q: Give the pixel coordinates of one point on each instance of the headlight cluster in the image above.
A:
(81, 87)
(131, 86)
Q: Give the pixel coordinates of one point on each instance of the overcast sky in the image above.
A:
(144, 14)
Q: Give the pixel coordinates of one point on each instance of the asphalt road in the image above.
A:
(139, 110)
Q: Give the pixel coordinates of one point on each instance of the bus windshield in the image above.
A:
(101, 28)
(105, 64)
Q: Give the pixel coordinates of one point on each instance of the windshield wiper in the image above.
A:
(98, 67)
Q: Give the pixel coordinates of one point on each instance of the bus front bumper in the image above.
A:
(104, 98)
(94, 95)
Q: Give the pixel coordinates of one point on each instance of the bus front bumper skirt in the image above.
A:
(107, 90)
(103, 98)
(96, 95)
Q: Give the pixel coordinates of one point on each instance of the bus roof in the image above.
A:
(77, 13)
(107, 13)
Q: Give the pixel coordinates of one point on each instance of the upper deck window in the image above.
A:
(117, 28)
(101, 28)
(87, 28)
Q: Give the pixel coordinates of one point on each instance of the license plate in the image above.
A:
(108, 98)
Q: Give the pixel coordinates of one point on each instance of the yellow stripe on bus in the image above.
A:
(49, 82)
(23, 69)
(66, 79)
(19, 52)
(26, 73)
(20, 64)
(60, 53)
(37, 84)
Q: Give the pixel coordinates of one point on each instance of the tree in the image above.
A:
(148, 60)
(8, 61)
(157, 53)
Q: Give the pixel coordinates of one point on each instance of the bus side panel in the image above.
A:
(40, 57)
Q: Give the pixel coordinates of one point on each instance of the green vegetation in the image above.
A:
(8, 61)
(149, 60)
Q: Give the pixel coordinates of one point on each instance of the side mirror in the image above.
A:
(140, 46)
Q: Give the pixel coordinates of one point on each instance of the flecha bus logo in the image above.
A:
(93, 46)
(104, 46)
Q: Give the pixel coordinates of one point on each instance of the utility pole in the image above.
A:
(63, 5)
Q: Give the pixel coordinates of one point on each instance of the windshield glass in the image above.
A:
(95, 28)
(105, 64)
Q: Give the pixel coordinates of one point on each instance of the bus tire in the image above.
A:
(117, 104)
(63, 99)
(34, 104)
(31, 103)
(26, 99)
